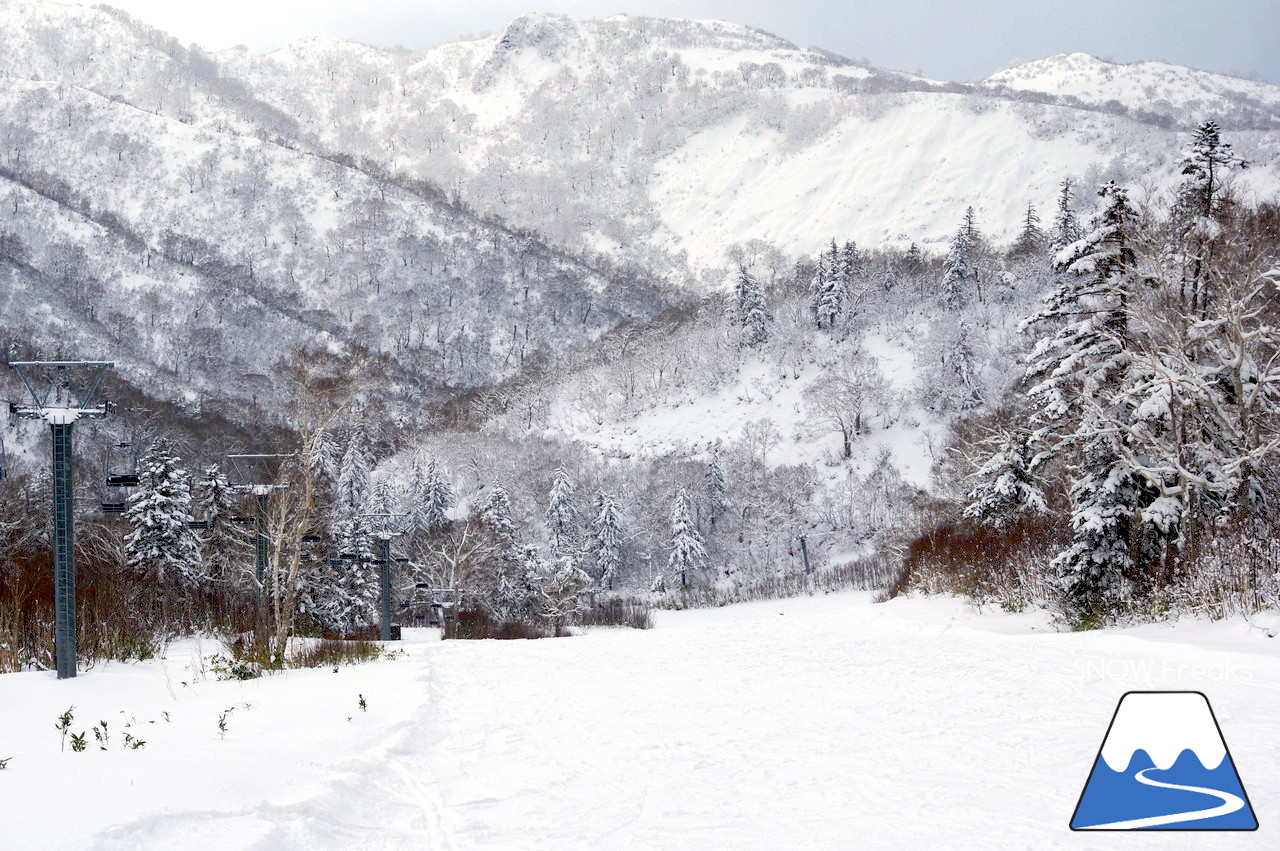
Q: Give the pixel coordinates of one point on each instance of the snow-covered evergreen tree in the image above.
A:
(519, 589)
(511, 588)
(687, 550)
(344, 598)
(1083, 371)
(222, 544)
(714, 489)
(561, 587)
(832, 289)
(850, 264)
(962, 362)
(913, 260)
(432, 499)
(955, 280)
(1105, 500)
(382, 501)
(497, 515)
(823, 270)
(354, 537)
(564, 523)
(324, 458)
(606, 544)
(1031, 240)
(161, 546)
(889, 278)
(353, 472)
(1091, 309)
(1005, 487)
(1066, 225)
(749, 310)
(1205, 166)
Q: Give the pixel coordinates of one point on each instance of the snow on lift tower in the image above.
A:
(62, 392)
(258, 475)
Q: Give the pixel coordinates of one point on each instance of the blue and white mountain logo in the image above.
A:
(1164, 766)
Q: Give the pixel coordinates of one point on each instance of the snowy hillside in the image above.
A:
(1173, 91)
(913, 724)
(188, 248)
(659, 140)
(662, 142)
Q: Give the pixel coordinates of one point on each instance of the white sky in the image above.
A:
(944, 39)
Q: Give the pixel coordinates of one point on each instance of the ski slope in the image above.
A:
(825, 722)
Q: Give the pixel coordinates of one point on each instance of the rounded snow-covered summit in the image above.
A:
(1164, 724)
(1151, 86)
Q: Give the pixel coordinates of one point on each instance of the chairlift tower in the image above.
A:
(385, 527)
(256, 474)
(61, 393)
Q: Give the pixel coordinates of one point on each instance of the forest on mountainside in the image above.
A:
(1099, 401)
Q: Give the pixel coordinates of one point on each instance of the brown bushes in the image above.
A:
(118, 617)
(619, 611)
(477, 624)
(1006, 565)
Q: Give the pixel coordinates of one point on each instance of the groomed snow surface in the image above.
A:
(825, 722)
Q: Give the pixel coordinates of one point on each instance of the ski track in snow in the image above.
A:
(1230, 803)
(819, 723)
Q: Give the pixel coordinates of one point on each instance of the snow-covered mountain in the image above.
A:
(1158, 88)
(464, 208)
(666, 140)
(155, 213)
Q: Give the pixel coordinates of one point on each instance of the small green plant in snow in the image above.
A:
(64, 724)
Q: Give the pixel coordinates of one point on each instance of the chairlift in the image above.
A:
(120, 478)
(116, 478)
(197, 524)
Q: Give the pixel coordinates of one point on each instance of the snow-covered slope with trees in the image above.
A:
(1172, 91)
(197, 247)
(662, 140)
(197, 218)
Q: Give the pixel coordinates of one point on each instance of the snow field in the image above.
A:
(821, 723)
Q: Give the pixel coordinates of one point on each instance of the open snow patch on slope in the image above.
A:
(900, 173)
(693, 425)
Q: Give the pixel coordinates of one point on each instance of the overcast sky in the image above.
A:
(944, 39)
